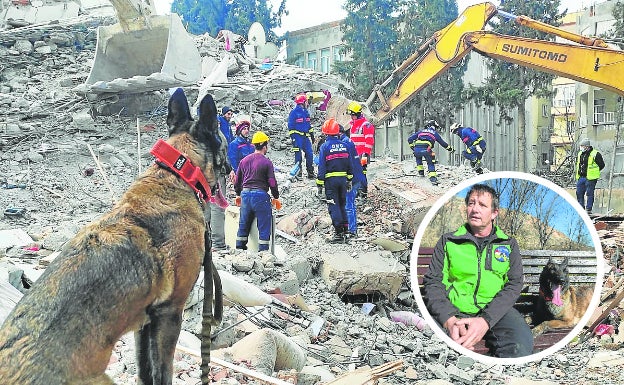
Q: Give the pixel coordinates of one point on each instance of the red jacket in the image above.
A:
(362, 135)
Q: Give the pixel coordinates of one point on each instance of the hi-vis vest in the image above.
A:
(473, 277)
(593, 171)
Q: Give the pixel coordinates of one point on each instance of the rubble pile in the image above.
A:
(64, 163)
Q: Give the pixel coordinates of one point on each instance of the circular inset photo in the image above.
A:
(507, 268)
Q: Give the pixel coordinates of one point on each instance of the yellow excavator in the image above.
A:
(590, 60)
(143, 52)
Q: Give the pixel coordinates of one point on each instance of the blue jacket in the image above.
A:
(238, 149)
(426, 138)
(225, 129)
(358, 172)
(299, 121)
(334, 160)
(469, 136)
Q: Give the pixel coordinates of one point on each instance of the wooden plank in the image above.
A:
(557, 253)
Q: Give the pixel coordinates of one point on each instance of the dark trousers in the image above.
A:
(336, 194)
(254, 204)
(510, 337)
(584, 187)
(419, 154)
(302, 143)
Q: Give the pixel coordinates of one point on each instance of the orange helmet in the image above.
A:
(301, 98)
(330, 127)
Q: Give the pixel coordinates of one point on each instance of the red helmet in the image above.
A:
(330, 127)
(301, 98)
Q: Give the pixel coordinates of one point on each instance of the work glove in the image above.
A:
(276, 203)
(349, 185)
(238, 201)
(479, 149)
(319, 190)
(451, 149)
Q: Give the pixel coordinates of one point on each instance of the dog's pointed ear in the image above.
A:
(178, 111)
(208, 123)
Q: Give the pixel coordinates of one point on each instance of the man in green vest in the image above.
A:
(589, 163)
(474, 280)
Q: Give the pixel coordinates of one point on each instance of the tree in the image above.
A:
(516, 195)
(371, 37)
(546, 206)
(444, 95)
(618, 27)
(510, 85)
(211, 16)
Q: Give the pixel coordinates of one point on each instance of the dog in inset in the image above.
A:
(559, 304)
(130, 270)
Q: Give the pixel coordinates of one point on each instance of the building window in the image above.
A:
(545, 111)
(564, 96)
(599, 111)
(337, 53)
(311, 60)
(325, 60)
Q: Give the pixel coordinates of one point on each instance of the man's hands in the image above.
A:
(238, 201)
(466, 331)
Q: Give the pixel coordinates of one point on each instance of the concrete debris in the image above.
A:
(312, 321)
(365, 273)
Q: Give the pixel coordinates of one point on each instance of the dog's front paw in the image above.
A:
(539, 329)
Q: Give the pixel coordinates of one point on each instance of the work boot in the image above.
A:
(421, 173)
(589, 211)
(433, 180)
(337, 238)
(311, 175)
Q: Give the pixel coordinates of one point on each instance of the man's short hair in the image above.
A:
(260, 146)
(483, 188)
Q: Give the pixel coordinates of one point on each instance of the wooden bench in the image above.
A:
(581, 266)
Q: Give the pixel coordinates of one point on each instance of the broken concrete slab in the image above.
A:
(364, 273)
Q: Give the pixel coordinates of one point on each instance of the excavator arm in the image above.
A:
(592, 61)
(134, 14)
(601, 67)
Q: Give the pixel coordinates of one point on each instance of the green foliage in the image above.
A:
(617, 32)
(444, 95)
(510, 85)
(211, 16)
(371, 38)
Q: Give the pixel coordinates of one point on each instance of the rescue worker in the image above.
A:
(254, 177)
(474, 279)
(224, 123)
(241, 145)
(363, 137)
(475, 145)
(589, 163)
(421, 142)
(359, 180)
(335, 174)
(299, 129)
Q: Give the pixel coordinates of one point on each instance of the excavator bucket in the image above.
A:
(162, 55)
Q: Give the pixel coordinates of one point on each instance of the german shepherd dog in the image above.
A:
(130, 270)
(559, 305)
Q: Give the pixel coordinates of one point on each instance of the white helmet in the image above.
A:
(455, 127)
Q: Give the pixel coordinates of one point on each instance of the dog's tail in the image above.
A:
(210, 317)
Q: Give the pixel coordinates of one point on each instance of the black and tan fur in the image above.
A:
(130, 270)
(548, 316)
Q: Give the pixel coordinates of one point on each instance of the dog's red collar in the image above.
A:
(167, 156)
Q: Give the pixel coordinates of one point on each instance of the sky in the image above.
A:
(306, 13)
